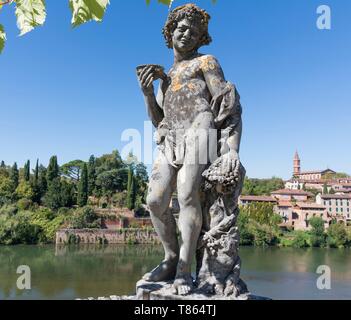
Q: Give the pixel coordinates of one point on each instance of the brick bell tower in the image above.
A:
(297, 165)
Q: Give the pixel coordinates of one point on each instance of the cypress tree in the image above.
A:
(36, 172)
(42, 183)
(35, 184)
(14, 176)
(2, 165)
(26, 173)
(52, 170)
(82, 198)
(91, 175)
(52, 197)
(131, 189)
(325, 189)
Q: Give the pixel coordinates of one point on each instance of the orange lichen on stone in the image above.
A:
(191, 86)
(176, 85)
(207, 63)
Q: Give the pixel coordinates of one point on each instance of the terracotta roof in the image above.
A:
(292, 192)
(316, 171)
(285, 204)
(258, 198)
(309, 205)
(336, 196)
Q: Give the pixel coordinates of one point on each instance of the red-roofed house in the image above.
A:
(288, 195)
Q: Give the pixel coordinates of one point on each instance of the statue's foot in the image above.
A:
(183, 285)
(165, 271)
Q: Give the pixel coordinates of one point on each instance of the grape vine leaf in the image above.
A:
(30, 14)
(2, 38)
(87, 10)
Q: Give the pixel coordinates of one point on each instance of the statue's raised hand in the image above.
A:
(147, 74)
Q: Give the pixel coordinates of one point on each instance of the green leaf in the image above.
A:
(87, 10)
(2, 38)
(166, 2)
(30, 14)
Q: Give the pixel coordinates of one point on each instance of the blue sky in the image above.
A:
(72, 92)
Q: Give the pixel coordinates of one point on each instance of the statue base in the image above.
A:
(163, 291)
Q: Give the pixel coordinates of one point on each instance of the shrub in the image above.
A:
(301, 240)
(317, 232)
(337, 236)
(264, 235)
(85, 218)
(24, 204)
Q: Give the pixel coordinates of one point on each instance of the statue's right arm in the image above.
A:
(153, 104)
(154, 110)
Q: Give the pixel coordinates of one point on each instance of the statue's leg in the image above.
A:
(161, 187)
(190, 217)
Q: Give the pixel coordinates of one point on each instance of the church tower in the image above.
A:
(297, 165)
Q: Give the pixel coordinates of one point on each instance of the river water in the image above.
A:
(64, 272)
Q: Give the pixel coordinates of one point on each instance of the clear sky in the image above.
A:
(72, 92)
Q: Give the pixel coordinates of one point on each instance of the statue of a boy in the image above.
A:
(193, 98)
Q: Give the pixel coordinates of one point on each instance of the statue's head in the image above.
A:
(186, 28)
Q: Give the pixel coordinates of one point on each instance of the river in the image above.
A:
(64, 272)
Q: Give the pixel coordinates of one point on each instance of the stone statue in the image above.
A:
(197, 114)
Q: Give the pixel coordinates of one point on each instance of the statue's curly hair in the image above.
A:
(191, 12)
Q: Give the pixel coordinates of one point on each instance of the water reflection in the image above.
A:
(69, 272)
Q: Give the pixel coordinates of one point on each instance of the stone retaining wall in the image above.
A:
(104, 236)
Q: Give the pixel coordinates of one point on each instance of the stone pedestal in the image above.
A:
(163, 291)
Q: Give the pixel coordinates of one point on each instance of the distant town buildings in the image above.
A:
(309, 194)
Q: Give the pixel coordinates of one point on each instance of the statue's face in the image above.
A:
(186, 36)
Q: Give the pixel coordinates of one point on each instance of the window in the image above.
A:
(330, 203)
(337, 209)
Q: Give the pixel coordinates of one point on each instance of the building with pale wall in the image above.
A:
(337, 205)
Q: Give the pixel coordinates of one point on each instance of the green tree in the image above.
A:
(111, 181)
(130, 189)
(42, 183)
(260, 187)
(24, 190)
(73, 169)
(325, 189)
(53, 170)
(67, 194)
(36, 172)
(6, 190)
(52, 198)
(14, 177)
(82, 197)
(331, 191)
(91, 175)
(2, 165)
(26, 171)
(317, 232)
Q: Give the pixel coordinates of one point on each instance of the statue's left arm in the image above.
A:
(225, 104)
